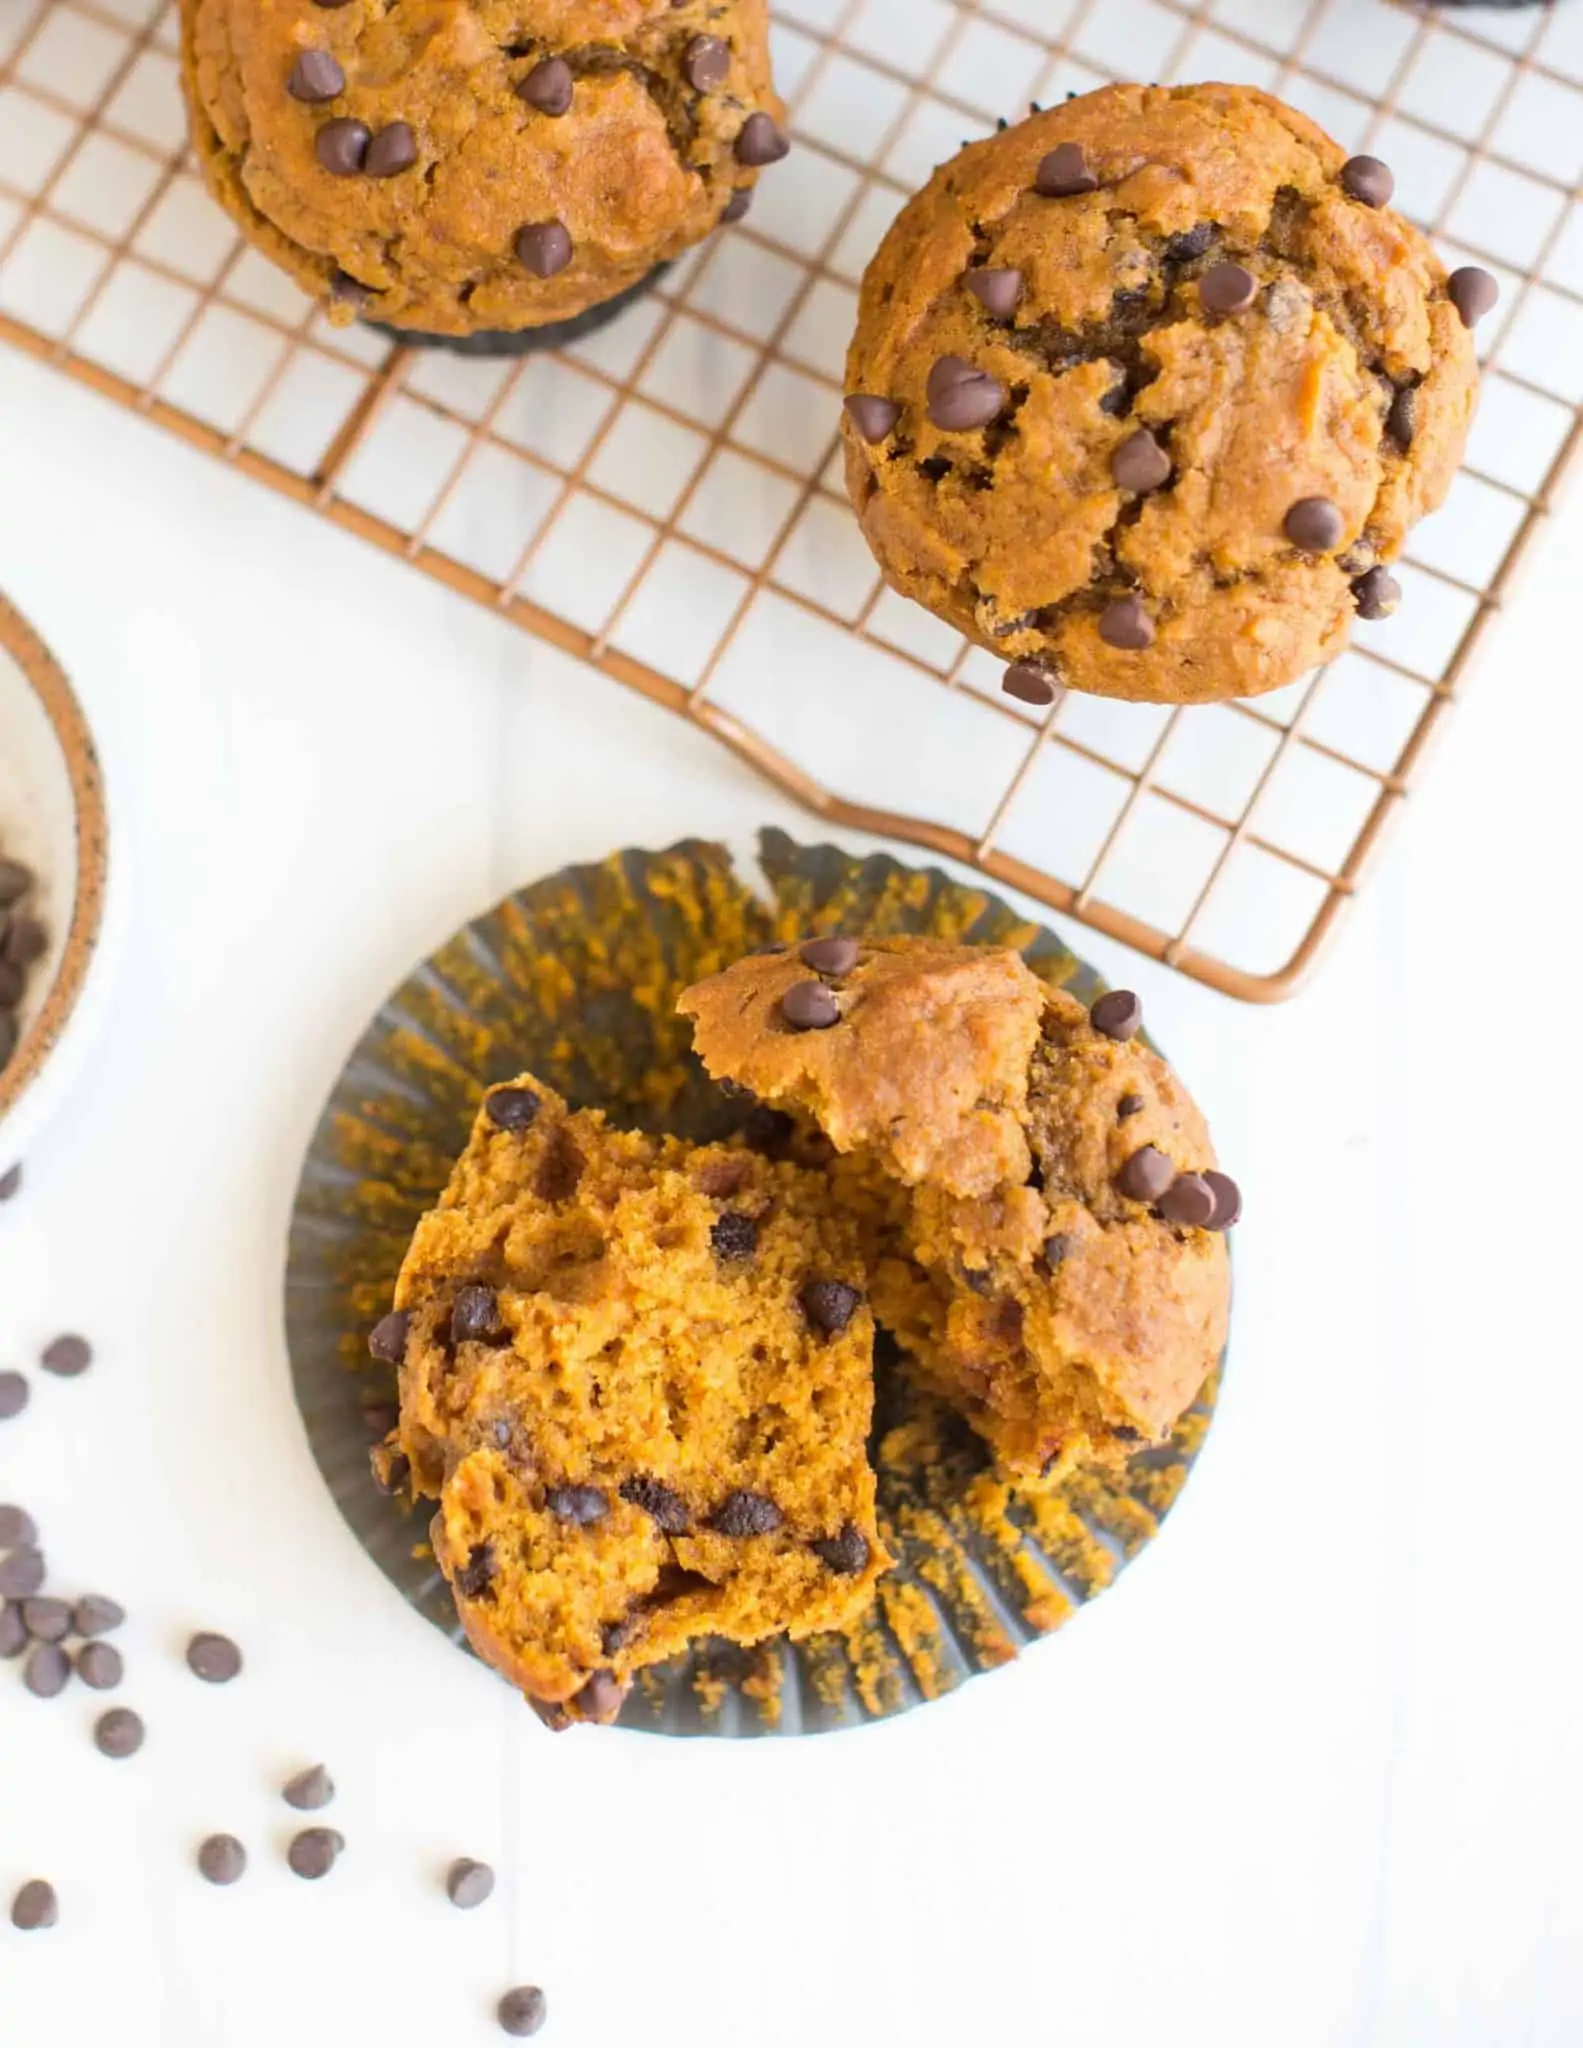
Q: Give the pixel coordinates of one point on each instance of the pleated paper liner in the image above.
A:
(576, 978)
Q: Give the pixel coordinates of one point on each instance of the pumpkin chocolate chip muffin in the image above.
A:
(1147, 391)
(637, 1377)
(462, 166)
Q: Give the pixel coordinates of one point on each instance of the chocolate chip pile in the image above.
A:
(23, 943)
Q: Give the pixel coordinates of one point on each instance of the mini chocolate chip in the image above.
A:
(829, 956)
(1190, 1201)
(600, 1699)
(746, 1514)
(46, 1620)
(1473, 292)
(315, 77)
(738, 206)
(1227, 288)
(468, 1883)
(94, 1615)
(1129, 1105)
(341, 146)
(221, 1859)
(1316, 525)
(1064, 173)
(734, 1236)
(17, 1526)
(846, 1554)
(26, 942)
(1377, 594)
(1146, 1175)
(761, 142)
(830, 1305)
(810, 1006)
(14, 1637)
(1030, 683)
(583, 1505)
(309, 1789)
(544, 247)
(14, 1395)
(1228, 1201)
(312, 1853)
(67, 1356)
(35, 1906)
(393, 150)
(46, 1671)
(1140, 463)
(522, 2012)
(475, 1314)
(1188, 246)
(511, 1109)
(99, 1665)
(662, 1504)
(1401, 422)
(10, 1181)
(1057, 1250)
(213, 1658)
(477, 1575)
(963, 398)
(1118, 1015)
(1126, 625)
(1367, 180)
(707, 63)
(119, 1733)
(873, 417)
(15, 881)
(999, 292)
(21, 1572)
(549, 87)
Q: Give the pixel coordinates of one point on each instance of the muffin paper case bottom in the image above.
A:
(526, 341)
(576, 978)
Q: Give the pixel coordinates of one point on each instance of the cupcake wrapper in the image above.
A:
(576, 978)
(526, 341)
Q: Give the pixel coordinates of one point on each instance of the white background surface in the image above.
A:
(1311, 1774)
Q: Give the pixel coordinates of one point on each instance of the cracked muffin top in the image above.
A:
(1146, 391)
(454, 166)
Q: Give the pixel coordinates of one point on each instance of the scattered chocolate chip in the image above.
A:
(873, 417)
(549, 87)
(1401, 422)
(16, 878)
(100, 1666)
(560, 1167)
(393, 150)
(309, 1789)
(47, 1670)
(829, 1305)
(999, 292)
(10, 1183)
(810, 1006)
(551, 1713)
(662, 1504)
(222, 1859)
(119, 1733)
(312, 1853)
(1030, 683)
(94, 1615)
(1140, 463)
(522, 2012)
(1126, 625)
(1064, 173)
(46, 1620)
(341, 146)
(963, 398)
(544, 247)
(1377, 594)
(738, 206)
(761, 142)
(1473, 292)
(1188, 246)
(475, 1314)
(600, 1699)
(14, 1637)
(746, 1514)
(315, 77)
(583, 1505)
(67, 1356)
(468, 1884)
(1146, 1175)
(734, 1236)
(1367, 180)
(1118, 1015)
(846, 1554)
(1129, 1105)
(511, 1109)
(391, 1468)
(476, 1576)
(346, 290)
(213, 1658)
(1316, 525)
(35, 1906)
(1190, 1201)
(21, 1572)
(1227, 288)
(17, 1526)
(26, 941)
(1228, 1201)
(1057, 1250)
(707, 63)
(829, 956)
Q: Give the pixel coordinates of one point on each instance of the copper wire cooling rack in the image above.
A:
(664, 498)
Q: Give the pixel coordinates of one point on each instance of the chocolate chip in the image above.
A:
(549, 87)
(346, 290)
(747, 1514)
(21, 1572)
(613, 1636)
(477, 1575)
(1473, 292)
(1129, 1105)
(475, 1314)
(551, 1713)
(1140, 463)
(67, 1356)
(393, 150)
(1030, 683)
(1367, 180)
(26, 941)
(522, 2012)
(315, 77)
(1228, 1201)
(544, 247)
(1188, 246)
(312, 1853)
(99, 1665)
(810, 1006)
(309, 1789)
(999, 292)
(119, 1733)
(829, 1305)
(35, 1906)
(1064, 173)
(707, 63)
(662, 1504)
(734, 1236)
(341, 146)
(560, 1167)
(1146, 1175)
(1377, 594)
(1057, 1250)
(873, 417)
(1401, 422)
(1316, 525)
(1118, 1015)
(962, 398)
(10, 1183)
(468, 1884)
(14, 1637)
(761, 142)
(390, 1468)
(583, 1505)
(213, 1658)
(600, 1699)
(1227, 288)
(846, 1554)
(829, 956)
(17, 1526)
(1126, 625)
(1189, 1200)
(46, 1620)
(15, 881)
(222, 1859)
(94, 1615)
(511, 1109)
(46, 1670)
(738, 206)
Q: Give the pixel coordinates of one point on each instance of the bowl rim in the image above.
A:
(48, 681)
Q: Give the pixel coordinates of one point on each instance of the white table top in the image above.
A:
(1310, 1774)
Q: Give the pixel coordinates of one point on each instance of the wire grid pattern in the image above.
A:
(665, 499)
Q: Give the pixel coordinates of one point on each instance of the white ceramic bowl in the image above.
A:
(52, 816)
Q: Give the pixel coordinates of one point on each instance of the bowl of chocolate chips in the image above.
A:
(53, 867)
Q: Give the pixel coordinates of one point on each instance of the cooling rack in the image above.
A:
(664, 498)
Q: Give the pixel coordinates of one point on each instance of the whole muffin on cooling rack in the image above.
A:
(1147, 391)
(457, 166)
